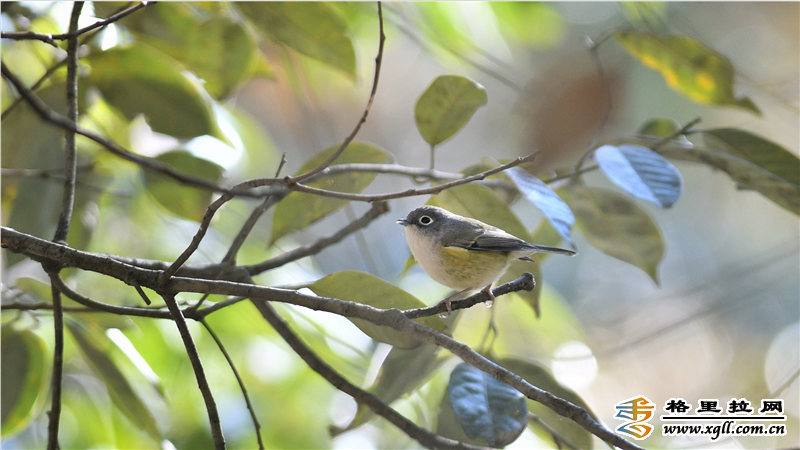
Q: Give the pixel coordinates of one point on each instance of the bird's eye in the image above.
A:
(425, 220)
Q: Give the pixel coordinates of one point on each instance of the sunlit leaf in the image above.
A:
(540, 376)
(23, 377)
(401, 372)
(314, 29)
(616, 226)
(299, 210)
(757, 150)
(186, 201)
(370, 290)
(446, 106)
(546, 199)
(487, 407)
(216, 47)
(94, 347)
(687, 66)
(138, 79)
(641, 172)
(533, 23)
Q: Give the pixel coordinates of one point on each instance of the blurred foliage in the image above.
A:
(172, 72)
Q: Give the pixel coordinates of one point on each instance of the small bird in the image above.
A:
(462, 253)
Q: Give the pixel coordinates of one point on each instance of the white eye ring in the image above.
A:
(425, 220)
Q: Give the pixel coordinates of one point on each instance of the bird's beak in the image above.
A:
(403, 222)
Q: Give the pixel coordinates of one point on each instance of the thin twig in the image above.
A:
(315, 247)
(557, 437)
(40, 173)
(54, 415)
(408, 192)
(199, 372)
(378, 60)
(47, 114)
(252, 410)
(422, 435)
(51, 38)
(56, 281)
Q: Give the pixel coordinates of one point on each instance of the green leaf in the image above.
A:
(216, 47)
(370, 290)
(641, 172)
(487, 407)
(532, 23)
(185, 201)
(687, 66)
(546, 199)
(617, 226)
(23, 377)
(95, 348)
(446, 106)
(757, 150)
(314, 29)
(401, 372)
(540, 376)
(448, 425)
(299, 210)
(649, 15)
(138, 79)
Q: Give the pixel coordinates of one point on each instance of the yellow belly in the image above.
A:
(456, 267)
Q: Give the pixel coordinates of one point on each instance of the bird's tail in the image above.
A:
(546, 249)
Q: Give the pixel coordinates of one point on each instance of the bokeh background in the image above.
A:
(723, 323)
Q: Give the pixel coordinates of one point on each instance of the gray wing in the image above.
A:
(476, 238)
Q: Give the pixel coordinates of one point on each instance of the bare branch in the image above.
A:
(525, 282)
(315, 247)
(250, 408)
(378, 60)
(54, 415)
(197, 365)
(39, 173)
(409, 192)
(51, 38)
(48, 115)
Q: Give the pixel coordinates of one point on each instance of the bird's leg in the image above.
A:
(488, 290)
(450, 298)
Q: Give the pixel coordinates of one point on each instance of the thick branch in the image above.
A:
(393, 318)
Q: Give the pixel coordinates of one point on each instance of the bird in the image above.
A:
(462, 253)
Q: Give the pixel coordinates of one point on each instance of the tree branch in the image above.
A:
(409, 192)
(54, 415)
(396, 319)
(377, 210)
(51, 38)
(378, 60)
(199, 372)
